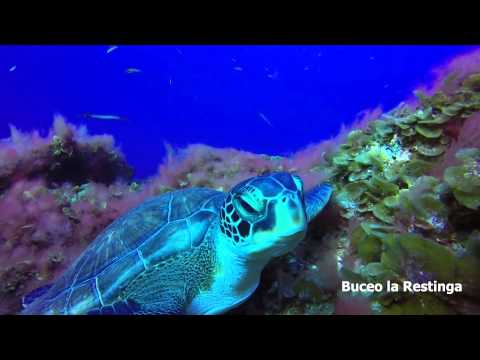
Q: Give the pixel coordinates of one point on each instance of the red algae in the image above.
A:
(448, 77)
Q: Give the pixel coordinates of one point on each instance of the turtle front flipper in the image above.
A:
(168, 301)
(316, 199)
(122, 307)
(161, 290)
(35, 294)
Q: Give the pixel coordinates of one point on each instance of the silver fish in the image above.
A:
(103, 116)
(238, 68)
(264, 118)
(13, 68)
(132, 71)
(112, 48)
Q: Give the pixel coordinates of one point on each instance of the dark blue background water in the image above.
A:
(190, 94)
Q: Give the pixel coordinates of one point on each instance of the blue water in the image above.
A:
(209, 94)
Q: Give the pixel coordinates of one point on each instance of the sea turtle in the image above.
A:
(192, 251)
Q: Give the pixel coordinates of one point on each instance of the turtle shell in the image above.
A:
(156, 230)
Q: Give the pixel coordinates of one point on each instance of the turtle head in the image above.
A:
(265, 216)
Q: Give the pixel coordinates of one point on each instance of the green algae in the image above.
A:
(464, 180)
(430, 150)
(355, 189)
(373, 270)
(421, 304)
(428, 132)
(381, 186)
(472, 82)
(381, 128)
(402, 251)
(435, 120)
(424, 203)
(341, 159)
(382, 213)
(429, 256)
(367, 244)
(369, 249)
(405, 216)
(391, 202)
(468, 154)
(471, 201)
(375, 229)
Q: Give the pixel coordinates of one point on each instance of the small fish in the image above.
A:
(112, 48)
(179, 51)
(306, 68)
(170, 81)
(371, 58)
(273, 76)
(13, 68)
(264, 118)
(103, 116)
(238, 68)
(234, 60)
(132, 71)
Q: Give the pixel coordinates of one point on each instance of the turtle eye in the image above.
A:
(246, 206)
(249, 202)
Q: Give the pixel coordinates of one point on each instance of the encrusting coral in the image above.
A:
(405, 207)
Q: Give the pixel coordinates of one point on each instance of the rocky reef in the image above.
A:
(406, 205)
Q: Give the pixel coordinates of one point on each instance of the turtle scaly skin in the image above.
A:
(194, 251)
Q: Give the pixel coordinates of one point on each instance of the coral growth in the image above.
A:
(67, 154)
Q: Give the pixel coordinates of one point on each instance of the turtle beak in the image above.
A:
(287, 239)
(316, 199)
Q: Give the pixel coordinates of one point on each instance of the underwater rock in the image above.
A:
(67, 154)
